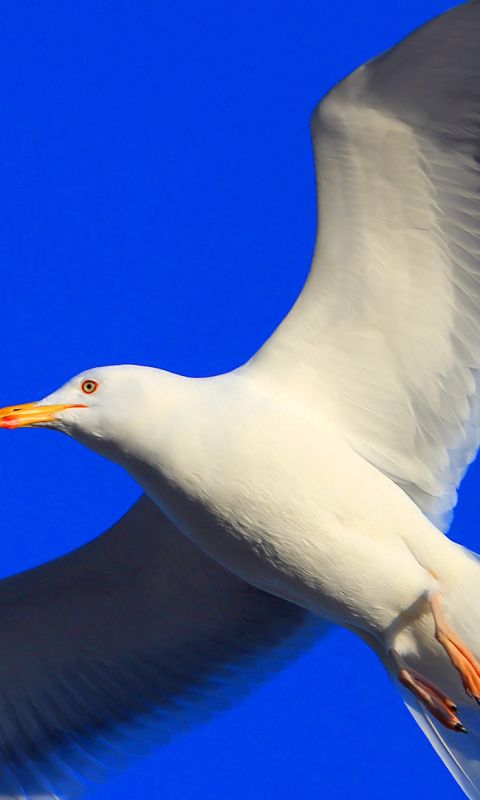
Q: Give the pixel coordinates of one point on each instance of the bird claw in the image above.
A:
(460, 728)
(431, 696)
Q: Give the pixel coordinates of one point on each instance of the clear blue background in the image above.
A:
(157, 207)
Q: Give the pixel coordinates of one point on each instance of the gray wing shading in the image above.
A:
(120, 645)
(386, 333)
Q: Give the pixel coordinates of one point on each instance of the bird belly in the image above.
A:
(304, 517)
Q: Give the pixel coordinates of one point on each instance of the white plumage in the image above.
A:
(311, 484)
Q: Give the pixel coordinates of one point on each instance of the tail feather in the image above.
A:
(459, 752)
(417, 644)
(461, 602)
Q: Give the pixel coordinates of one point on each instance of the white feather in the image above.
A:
(387, 328)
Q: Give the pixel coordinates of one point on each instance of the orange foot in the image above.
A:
(432, 697)
(461, 657)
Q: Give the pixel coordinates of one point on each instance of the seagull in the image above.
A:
(314, 485)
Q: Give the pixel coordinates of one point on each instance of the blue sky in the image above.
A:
(158, 207)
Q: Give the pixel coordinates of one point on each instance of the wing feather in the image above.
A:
(386, 333)
(122, 644)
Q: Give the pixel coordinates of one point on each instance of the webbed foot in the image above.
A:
(429, 694)
(461, 657)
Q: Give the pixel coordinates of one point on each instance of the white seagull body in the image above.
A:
(314, 482)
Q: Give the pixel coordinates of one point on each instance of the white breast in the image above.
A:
(282, 500)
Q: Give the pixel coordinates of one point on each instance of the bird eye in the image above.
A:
(89, 386)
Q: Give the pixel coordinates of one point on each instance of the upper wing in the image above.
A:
(125, 642)
(387, 329)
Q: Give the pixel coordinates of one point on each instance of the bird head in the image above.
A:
(104, 408)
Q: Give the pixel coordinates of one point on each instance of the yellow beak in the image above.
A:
(29, 414)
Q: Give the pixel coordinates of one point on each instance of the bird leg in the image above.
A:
(461, 657)
(433, 698)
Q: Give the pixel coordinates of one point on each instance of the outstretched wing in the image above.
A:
(120, 645)
(386, 332)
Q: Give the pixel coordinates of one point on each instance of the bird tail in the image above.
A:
(461, 603)
(459, 753)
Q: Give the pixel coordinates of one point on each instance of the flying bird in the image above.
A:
(312, 485)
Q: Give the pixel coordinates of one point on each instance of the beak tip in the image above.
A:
(9, 423)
